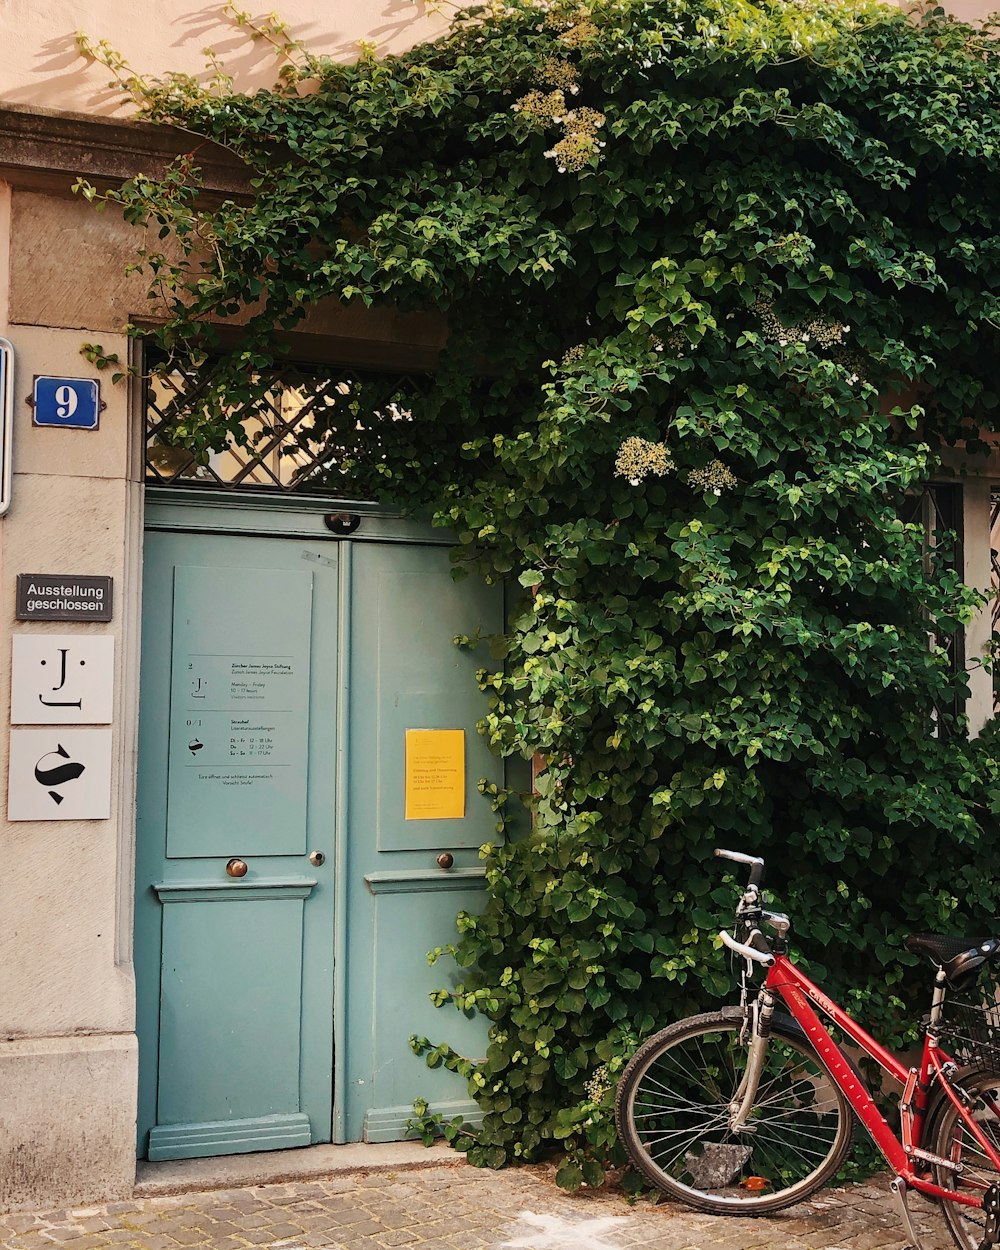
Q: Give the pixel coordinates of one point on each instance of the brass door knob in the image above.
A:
(446, 860)
(237, 867)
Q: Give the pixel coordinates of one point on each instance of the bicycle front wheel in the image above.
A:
(673, 1111)
(951, 1138)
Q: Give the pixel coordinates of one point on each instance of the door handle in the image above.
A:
(445, 860)
(317, 859)
(237, 867)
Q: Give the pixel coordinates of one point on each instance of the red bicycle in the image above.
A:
(747, 1110)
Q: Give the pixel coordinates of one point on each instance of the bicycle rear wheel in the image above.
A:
(672, 1112)
(951, 1139)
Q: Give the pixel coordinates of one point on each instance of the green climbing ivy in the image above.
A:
(719, 278)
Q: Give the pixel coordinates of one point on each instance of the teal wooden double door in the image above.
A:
(294, 861)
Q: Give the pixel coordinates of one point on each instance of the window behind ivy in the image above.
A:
(995, 581)
(309, 424)
(937, 509)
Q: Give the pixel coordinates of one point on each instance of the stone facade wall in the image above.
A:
(67, 1043)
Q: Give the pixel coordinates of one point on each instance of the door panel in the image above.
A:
(416, 678)
(407, 673)
(412, 914)
(256, 1001)
(237, 761)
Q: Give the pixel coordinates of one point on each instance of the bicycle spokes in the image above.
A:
(682, 1113)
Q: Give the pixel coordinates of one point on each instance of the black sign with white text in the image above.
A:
(63, 597)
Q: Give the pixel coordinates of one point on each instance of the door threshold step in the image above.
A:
(274, 1167)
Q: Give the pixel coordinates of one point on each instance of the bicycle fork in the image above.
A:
(744, 1098)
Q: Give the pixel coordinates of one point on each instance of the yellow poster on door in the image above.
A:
(435, 774)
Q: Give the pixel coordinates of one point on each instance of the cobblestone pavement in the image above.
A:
(455, 1208)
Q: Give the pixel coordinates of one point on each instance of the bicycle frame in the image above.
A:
(798, 992)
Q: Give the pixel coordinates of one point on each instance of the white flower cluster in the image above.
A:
(599, 1084)
(580, 142)
(676, 340)
(555, 72)
(715, 476)
(561, 16)
(817, 330)
(580, 35)
(638, 457)
(541, 107)
(574, 23)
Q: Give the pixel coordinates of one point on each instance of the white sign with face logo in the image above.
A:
(62, 679)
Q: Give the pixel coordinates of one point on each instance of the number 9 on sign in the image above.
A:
(73, 403)
(66, 401)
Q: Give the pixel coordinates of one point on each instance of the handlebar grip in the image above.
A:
(759, 942)
(748, 952)
(755, 862)
(736, 856)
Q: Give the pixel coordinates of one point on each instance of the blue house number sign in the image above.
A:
(73, 403)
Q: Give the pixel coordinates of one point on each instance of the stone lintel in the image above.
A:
(45, 150)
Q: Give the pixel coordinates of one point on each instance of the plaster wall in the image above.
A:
(40, 64)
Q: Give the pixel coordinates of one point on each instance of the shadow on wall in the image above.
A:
(46, 69)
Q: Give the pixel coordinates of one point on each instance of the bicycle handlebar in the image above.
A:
(756, 864)
(748, 952)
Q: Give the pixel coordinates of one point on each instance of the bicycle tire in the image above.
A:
(950, 1139)
(672, 1111)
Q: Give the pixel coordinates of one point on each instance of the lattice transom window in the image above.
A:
(301, 436)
